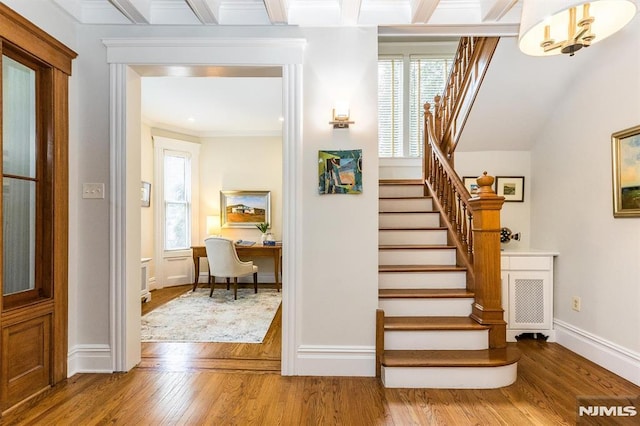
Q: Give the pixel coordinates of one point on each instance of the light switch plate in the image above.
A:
(93, 190)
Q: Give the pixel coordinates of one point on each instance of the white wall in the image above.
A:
(339, 291)
(514, 215)
(572, 204)
(147, 239)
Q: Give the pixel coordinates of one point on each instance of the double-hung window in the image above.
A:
(405, 82)
(177, 200)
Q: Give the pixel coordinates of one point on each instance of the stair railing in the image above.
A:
(473, 222)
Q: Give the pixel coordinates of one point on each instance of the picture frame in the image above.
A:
(244, 209)
(471, 184)
(511, 188)
(625, 154)
(340, 172)
(145, 194)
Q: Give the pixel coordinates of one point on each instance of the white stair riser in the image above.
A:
(436, 339)
(449, 377)
(405, 205)
(417, 257)
(401, 191)
(426, 307)
(409, 220)
(398, 280)
(405, 237)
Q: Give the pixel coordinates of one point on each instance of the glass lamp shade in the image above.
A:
(609, 17)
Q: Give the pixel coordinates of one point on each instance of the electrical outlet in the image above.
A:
(575, 303)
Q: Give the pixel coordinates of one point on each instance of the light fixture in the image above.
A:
(341, 116)
(551, 27)
(213, 225)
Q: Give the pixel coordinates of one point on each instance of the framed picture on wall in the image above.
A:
(510, 187)
(471, 184)
(625, 153)
(245, 209)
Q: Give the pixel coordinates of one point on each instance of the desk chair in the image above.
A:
(224, 262)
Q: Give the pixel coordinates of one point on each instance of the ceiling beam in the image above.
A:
(350, 11)
(278, 11)
(421, 10)
(494, 10)
(137, 11)
(207, 11)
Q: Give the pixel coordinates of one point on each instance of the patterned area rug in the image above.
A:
(195, 317)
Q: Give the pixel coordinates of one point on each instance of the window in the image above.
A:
(177, 200)
(405, 83)
(24, 204)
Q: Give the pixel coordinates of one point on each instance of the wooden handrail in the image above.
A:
(469, 67)
(473, 222)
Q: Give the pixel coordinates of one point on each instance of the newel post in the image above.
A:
(487, 308)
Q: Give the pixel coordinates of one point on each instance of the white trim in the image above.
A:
(89, 359)
(117, 215)
(613, 357)
(288, 53)
(320, 360)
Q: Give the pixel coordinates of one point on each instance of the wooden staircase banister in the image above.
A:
(473, 222)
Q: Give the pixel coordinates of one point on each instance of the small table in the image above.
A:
(244, 252)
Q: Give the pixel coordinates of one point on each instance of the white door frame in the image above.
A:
(122, 55)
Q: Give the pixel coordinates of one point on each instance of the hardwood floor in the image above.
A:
(178, 356)
(550, 378)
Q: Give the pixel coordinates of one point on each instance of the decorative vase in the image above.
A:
(263, 238)
(267, 239)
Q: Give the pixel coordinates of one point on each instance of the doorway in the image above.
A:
(125, 176)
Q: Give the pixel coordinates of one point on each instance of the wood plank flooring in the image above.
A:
(231, 384)
(549, 379)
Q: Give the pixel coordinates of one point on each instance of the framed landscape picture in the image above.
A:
(471, 184)
(510, 187)
(626, 172)
(244, 209)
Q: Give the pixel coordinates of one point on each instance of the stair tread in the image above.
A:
(451, 358)
(400, 182)
(411, 212)
(405, 197)
(416, 247)
(420, 268)
(423, 293)
(431, 323)
(423, 228)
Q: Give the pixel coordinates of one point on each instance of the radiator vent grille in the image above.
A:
(529, 301)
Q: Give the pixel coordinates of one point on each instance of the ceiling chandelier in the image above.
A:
(551, 27)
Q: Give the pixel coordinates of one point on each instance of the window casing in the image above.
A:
(405, 83)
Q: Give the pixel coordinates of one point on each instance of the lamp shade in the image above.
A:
(213, 225)
(609, 16)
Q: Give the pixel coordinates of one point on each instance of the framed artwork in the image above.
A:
(244, 209)
(626, 172)
(510, 187)
(471, 184)
(145, 194)
(340, 172)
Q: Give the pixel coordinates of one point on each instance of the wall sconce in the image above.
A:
(552, 27)
(341, 116)
(213, 225)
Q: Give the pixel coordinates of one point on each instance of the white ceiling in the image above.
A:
(212, 106)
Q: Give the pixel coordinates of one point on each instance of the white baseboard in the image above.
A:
(152, 284)
(320, 360)
(89, 359)
(611, 356)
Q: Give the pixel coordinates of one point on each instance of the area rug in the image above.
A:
(196, 317)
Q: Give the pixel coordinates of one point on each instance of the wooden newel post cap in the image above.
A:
(485, 185)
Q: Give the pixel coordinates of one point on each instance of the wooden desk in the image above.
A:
(244, 253)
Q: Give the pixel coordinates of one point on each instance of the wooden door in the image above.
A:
(34, 209)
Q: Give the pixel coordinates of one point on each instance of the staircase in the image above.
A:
(425, 337)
